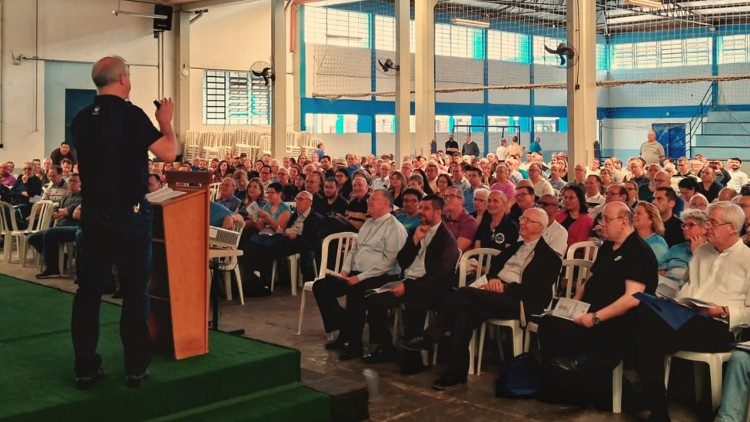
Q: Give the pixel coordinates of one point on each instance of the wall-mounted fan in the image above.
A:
(264, 70)
(568, 55)
(388, 65)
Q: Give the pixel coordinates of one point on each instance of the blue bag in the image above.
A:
(519, 378)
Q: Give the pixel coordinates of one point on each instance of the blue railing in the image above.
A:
(696, 122)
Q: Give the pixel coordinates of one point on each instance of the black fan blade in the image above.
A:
(257, 73)
(551, 51)
(384, 66)
(562, 60)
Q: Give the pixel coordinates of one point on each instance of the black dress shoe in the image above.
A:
(448, 381)
(337, 344)
(380, 355)
(85, 382)
(566, 364)
(351, 351)
(136, 380)
(415, 344)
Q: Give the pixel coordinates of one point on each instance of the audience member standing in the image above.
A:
(652, 151)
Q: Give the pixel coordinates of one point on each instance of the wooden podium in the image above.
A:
(178, 285)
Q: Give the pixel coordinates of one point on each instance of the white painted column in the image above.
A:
(582, 87)
(403, 80)
(424, 76)
(278, 93)
(297, 66)
(182, 76)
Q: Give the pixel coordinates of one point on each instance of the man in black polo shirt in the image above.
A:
(451, 146)
(112, 137)
(596, 341)
(331, 203)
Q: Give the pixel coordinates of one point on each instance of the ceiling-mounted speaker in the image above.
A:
(163, 24)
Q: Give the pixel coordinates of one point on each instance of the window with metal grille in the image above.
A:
(541, 56)
(459, 41)
(507, 46)
(734, 49)
(235, 98)
(385, 33)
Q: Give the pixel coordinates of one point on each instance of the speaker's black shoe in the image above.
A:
(85, 382)
(414, 344)
(337, 344)
(448, 381)
(380, 355)
(351, 351)
(136, 380)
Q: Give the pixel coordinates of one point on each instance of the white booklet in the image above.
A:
(334, 274)
(385, 288)
(163, 194)
(570, 308)
(667, 287)
(480, 282)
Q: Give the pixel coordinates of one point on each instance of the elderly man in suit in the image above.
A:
(523, 272)
(429, 258)
(300, 237)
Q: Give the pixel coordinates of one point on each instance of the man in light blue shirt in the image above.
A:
(369, 264)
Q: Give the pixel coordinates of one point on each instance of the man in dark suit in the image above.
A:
(428, 258)
(300, 237)
(525, 271)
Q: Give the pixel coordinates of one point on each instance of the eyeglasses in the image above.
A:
(607, 220)
(528, 220)
(521, 194)
(688, 226)
(450, 195)
(714, 223)
(548, 204)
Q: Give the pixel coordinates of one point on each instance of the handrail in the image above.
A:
(696, 122)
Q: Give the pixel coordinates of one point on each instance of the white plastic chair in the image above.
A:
(229, 265)
(40, 219)
(210, 142)
(576, 272)
(65, 249)
(715, 362)
(617, 388)
(7, 227)
(483, 256)
(295, 272)
(213, 191)
(344, 242)
(589, 248)
(192, 144)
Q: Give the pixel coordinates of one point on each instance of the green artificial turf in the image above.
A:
(37, 382)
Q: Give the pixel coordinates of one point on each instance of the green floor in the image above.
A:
(240, 379)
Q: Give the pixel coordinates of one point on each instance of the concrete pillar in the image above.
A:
(582, 83)
(424, 76)
(182, 76)
(297, 66)
(403, 79)
(278, 93)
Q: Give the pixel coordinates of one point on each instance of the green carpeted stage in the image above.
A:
(240, 379)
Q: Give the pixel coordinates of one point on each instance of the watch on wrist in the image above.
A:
(596, 320)
(724, 312)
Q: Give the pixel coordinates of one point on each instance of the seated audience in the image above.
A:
(254, 200)
(408, 215)
(743, 200)
(540, 184)
(299, 236)
(708, 186)
(554, 234)
(719, 273)
(665, 200)
(443, 182)
(497, 229)
(58, 188)
(650, 228)
(604, 335)
(674, 265)
(66, 220)
(27, 186)
(428, 258)
(461, 225)
(525, 271)
(593, 192)
(331, 203)
(698, 202)
(225, 195)
(344, 181)
(503, 183)
(369, 264)
(480, 203)
(574, 216)
(397, 186)
(383, 179)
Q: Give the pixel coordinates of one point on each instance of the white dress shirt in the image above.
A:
(722, 278)
(417, 269)
(513, 268)
(556, 237)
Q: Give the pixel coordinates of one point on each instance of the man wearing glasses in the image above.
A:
(555, 234)
(459, 222)
(597, 341)
(524, 272)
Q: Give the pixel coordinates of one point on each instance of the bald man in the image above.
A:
(112, 138)
(652, 152)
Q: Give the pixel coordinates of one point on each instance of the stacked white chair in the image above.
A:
(292, 144)
(226, 145)
(192, 144)
(8, 225)
(344, 242)
(213, 190)
(244, 145)
(265, 144)
(210, 146)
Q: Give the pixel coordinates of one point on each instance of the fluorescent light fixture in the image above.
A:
(471, 23)
(118, 12)
(650, 4)
(343, 37)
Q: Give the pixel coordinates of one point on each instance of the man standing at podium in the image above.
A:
(112, 137)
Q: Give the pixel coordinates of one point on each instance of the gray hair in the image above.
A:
(541, 214)
(481, 192)
(108, 70)
(732, 213)
(694, 214)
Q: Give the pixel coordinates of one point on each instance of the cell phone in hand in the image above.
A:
(157, 104)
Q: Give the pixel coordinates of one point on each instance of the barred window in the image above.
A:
(235, 98)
